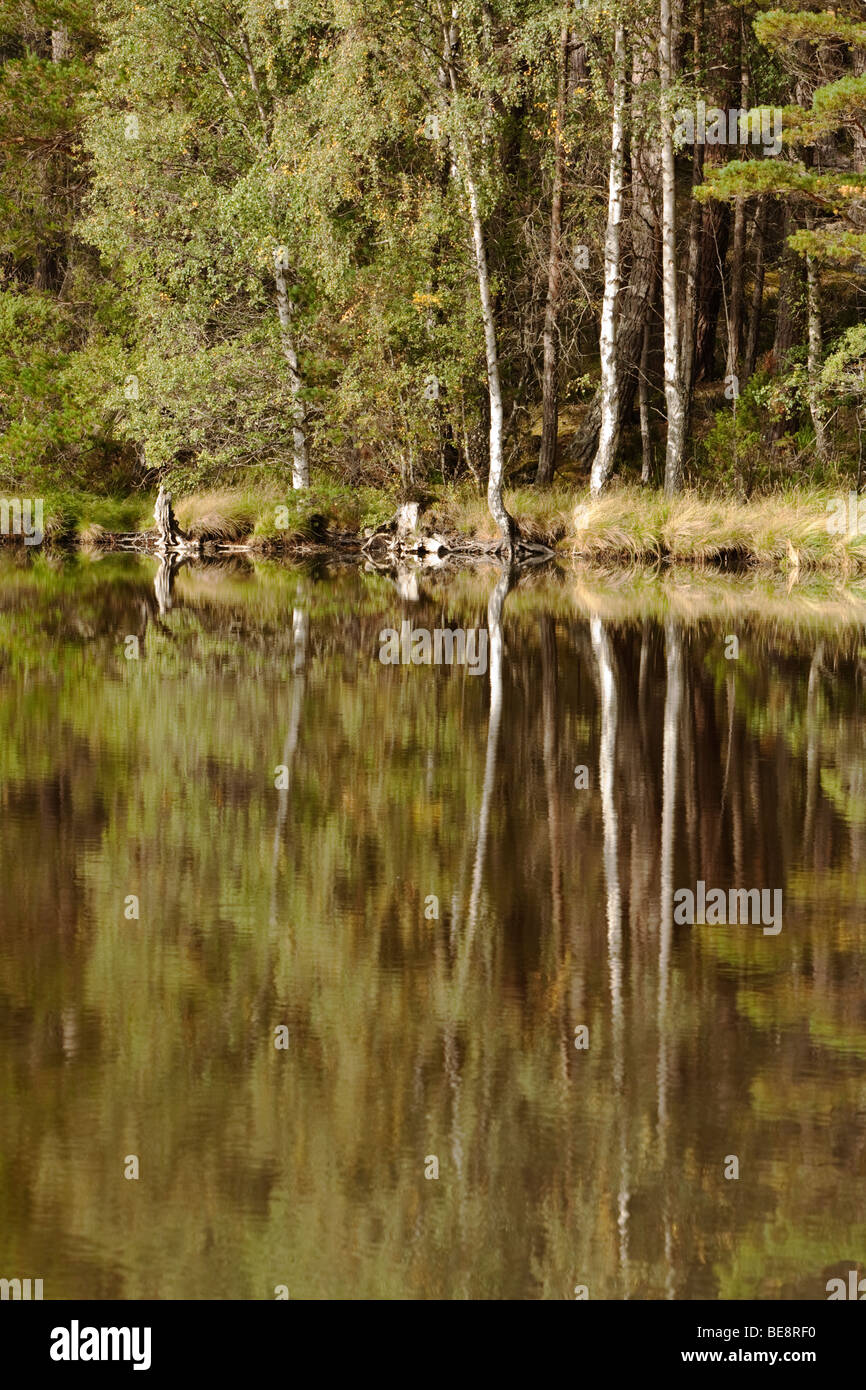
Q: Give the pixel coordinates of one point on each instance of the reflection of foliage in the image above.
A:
(844, 787)
(154, 1037)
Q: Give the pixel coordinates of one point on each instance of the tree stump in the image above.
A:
(170, 537)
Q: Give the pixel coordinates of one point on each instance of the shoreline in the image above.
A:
(801, 530)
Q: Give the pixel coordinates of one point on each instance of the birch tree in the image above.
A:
(549, 383)
(674, 394)
(610, 412)
(219, 46)
(192, 201)
(450, 58)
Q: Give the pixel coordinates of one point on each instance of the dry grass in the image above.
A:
(633, 525)
(90, 535)
(227, 515)
(785, 531)
(627, 526)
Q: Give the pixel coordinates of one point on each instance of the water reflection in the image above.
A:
(285, 806)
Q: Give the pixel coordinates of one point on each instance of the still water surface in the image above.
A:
(436, 909)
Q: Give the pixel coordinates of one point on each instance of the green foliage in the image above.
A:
(154, 159)
(770, 406)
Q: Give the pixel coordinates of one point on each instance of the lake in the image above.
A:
(344, 977)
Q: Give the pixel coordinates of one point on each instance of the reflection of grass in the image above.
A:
(818, 605)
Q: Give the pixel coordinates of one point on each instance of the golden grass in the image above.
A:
(90, 535)
(626, 526)
(226, 515)
(785, 531)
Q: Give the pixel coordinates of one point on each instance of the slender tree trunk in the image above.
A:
(757, 304)
(498, 511)
(608, 439)
(495, 501)
(738, 247)
(549, 388)
(814, 357)
(639, 292)
(724, 71)
(300, 463)
(674, 395)
(50, 172)
(735, 296)
(790, 289)
(646, 447)
(690, 308)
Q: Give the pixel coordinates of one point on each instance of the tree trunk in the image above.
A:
(300, 463)
(549, 389)
(59, 43)
(790, 286)
(498, 511)
(761, 219)
(723, 61)
(638, 295)
(735, 292)
(610, 367)
(814, 357)
(690, 307)
(646, 447)
(674, 396)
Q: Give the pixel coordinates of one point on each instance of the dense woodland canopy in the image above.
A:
(391, 243)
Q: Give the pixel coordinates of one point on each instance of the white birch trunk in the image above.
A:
(646, 445)
(300, 462)
(674, 394)
(608, 437)
(494, 388)
(498, 511)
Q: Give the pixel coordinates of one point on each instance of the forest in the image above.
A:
(341, 253)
